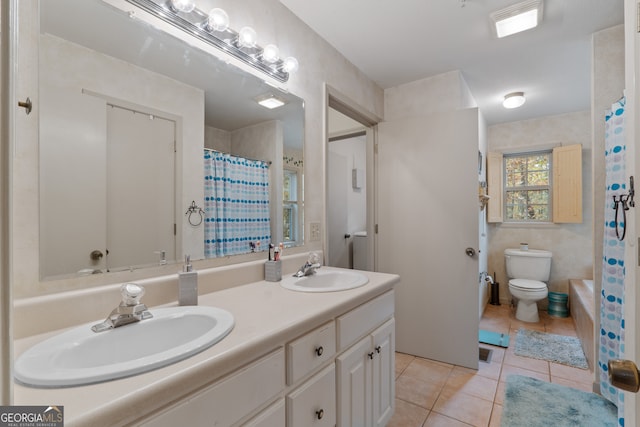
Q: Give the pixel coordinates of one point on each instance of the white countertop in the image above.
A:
(266, 315)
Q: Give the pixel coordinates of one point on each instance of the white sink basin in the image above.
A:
(80, 356)
(326, 281)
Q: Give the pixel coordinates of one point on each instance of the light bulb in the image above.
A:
(247, 37)
(290, 65)
(184, 6)
(271, 53)
(218, 20)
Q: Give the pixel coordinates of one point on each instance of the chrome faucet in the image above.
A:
(309, 267)
(130, 309)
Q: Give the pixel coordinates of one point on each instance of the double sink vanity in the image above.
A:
(316, 350)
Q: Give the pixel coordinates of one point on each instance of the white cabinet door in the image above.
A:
(365, 380)
(354, 385)
(383, 362)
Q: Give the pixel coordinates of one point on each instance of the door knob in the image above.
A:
(624, 375)
(96, 255)
(470, 252)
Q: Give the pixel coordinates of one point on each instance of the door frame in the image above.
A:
(336, 100)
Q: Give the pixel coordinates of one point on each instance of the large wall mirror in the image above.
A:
(128, 114)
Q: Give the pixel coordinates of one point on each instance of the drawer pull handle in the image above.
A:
(378, 348)
(319, 351)
(371, 355)
(320, 414)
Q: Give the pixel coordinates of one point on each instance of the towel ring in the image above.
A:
(194, 209)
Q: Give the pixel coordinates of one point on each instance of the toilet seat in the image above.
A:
(527, 285)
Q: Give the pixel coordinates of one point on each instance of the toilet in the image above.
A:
(528, 270)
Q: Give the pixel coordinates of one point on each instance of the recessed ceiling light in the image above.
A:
(270, 101)
(518, 17)
(513, 100)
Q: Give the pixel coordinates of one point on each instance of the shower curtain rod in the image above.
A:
(222, 152)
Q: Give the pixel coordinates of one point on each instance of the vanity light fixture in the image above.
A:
(213, 28)
(518, 17)
(270, 101)
(513, 100)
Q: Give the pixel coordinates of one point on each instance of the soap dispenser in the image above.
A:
(187, 284)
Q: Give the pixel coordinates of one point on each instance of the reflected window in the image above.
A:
(291, 206)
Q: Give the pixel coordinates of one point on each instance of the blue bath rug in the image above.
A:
(493, 338)
(529, 402)
(550, 347)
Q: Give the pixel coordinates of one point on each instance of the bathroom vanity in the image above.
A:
(293, 358)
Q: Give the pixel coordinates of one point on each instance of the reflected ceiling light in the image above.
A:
(218, 20)
(513, 100)
(213, 29)
(185, 6)
(270, 101)
(518, 17)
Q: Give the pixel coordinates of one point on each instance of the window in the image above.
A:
(527, 187)
(291, 207)
(524, 187)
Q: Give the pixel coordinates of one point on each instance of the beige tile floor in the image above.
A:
(436, 394)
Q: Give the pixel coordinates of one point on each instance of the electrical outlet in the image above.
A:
(315, 232)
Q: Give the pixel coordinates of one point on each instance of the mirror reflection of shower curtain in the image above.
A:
(236, 204)
(611, 336)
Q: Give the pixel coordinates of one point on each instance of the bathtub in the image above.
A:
(582, 308)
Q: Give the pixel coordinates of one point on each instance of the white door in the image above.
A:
(72, 151)
(140, 188)
(427, 207)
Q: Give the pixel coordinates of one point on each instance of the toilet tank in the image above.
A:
(532, 264)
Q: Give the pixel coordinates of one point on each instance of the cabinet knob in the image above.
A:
(378, 348)
(371, 355)
(320, 414)
(319, 351)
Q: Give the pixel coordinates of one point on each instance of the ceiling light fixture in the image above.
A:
(518, 17)
(213, 29)
(513, 100)
(270, 101)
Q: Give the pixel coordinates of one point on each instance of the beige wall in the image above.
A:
(571, 244)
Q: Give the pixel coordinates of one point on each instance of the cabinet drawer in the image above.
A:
(310, 351)
(361, 320)
(313, 404)
(273, 416)
(227, 401)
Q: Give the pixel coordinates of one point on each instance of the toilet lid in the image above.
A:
(527, 285)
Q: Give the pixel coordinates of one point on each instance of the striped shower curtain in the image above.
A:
(611, 337)
(236, 204)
